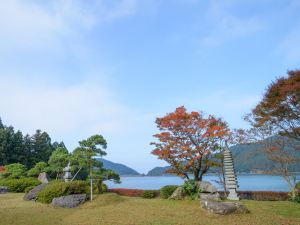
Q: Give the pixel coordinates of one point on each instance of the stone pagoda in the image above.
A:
(230, 177)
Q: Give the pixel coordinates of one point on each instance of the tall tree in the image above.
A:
(58, 161)
(275, 124)
(84, 155)
(41, 146)
(189, 141)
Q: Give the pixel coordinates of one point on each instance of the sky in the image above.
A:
(74, 68)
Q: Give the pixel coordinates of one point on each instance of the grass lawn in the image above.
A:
(113, 209)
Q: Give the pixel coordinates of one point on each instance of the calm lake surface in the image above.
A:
(246, 182)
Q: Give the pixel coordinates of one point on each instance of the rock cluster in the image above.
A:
(208, 191)
(32, 194)
(211, 201)
(3, 190)
(69, 201)
(223, 208)
(178, 194)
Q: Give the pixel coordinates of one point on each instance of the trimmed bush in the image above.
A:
(167, 191)
(19, 185)
(104, 188)
(14, 171)
(149, 194)
(191, 189)
(58, 188)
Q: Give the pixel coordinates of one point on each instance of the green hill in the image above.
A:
(121, 169)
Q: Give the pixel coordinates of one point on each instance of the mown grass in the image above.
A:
(113, 209)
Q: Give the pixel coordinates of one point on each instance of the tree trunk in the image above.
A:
(196, 176)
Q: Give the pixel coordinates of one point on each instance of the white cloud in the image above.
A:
(226, 26)
(32, 25)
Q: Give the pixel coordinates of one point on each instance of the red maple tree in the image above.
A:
(280, 106)
(188, 141)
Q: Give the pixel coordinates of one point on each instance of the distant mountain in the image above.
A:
(159, 171)
(118, 168)
(248, 158)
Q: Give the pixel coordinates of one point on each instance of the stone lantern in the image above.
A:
(67, 173)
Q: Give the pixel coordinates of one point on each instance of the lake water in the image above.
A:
(246, 182)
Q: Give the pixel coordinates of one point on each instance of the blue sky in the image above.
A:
(75, 68)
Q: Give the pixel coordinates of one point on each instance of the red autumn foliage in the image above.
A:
(129, 192)
(2, 169)
(187, 141)
(280, 106)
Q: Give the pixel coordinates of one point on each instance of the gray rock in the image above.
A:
(177, 194)
(3, 190)
(44, 178)
(69, 201)
(32, 194)
(223, 208)
(209, 196)
(206, 187)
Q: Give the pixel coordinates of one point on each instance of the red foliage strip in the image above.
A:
(2, 169)
(250, 195)
(128, 192)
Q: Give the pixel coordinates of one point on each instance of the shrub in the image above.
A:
(104, 188)
(149, 194)
(298, 186)
(58, 188)
(37, 169)
(15, 170)
(167, 191)
(19, 185)
(190, 189)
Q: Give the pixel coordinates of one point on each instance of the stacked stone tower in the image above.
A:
(230, 177)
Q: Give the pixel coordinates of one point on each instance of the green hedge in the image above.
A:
(167, 191)
(149, 194)
(58, 188)
(19, 185)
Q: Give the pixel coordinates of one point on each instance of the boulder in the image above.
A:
(69, 201)
(223, 208)
(3, 190)
(177, 194)
(209, 196)
(206, 187)
(44, 178)
(32, 194)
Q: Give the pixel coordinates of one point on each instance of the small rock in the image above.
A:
(177, 194)
(206, 187)
(69, 201)
(44, 178)
(209, 196)
(3, 190)
(32, 194)
(223, 208)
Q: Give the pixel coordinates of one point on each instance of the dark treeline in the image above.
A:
(27, 150)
